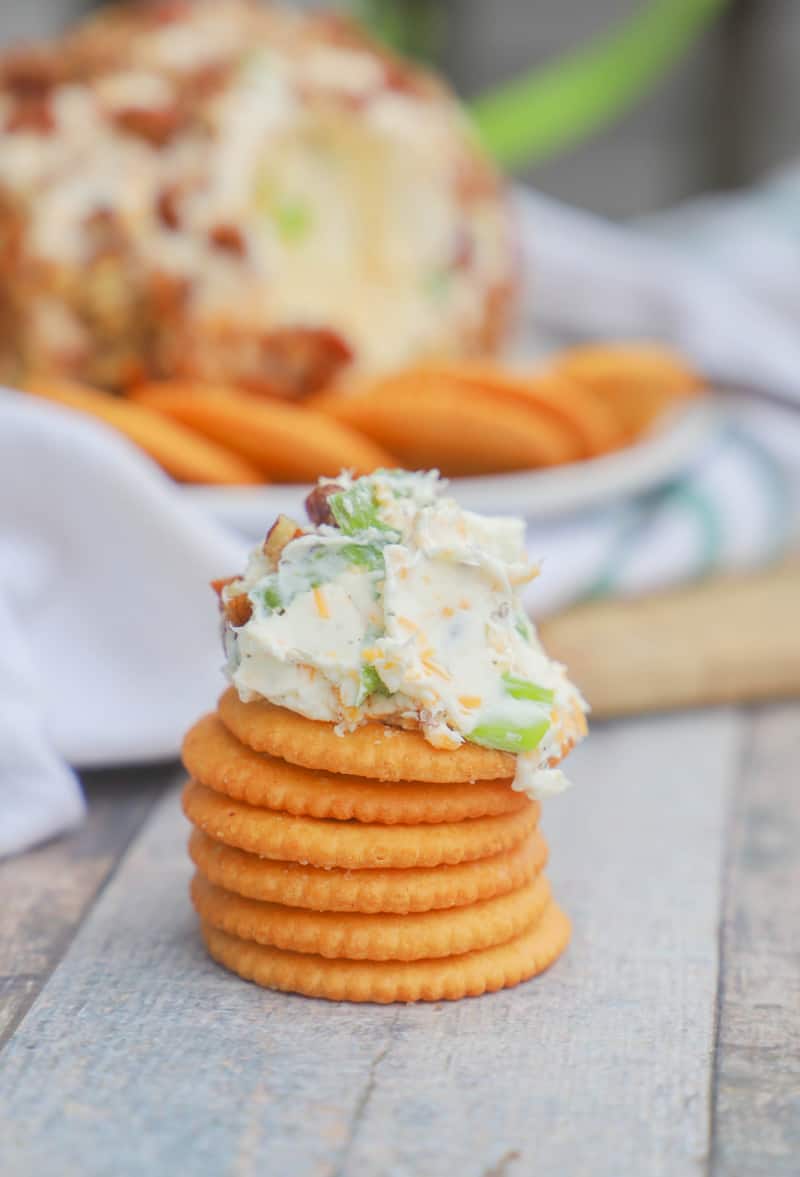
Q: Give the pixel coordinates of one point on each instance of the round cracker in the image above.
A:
(213, 757)
(368, 891)
(180, 451)
(575, 406)
(431, 420)
(354, 936)
(374, 750)
(288, 443)
(353, 845)
(450, 978)
(636, 380)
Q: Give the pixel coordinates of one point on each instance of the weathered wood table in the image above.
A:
(667, 1040)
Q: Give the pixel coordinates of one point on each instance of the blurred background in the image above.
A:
(196, 273)
(723, 115)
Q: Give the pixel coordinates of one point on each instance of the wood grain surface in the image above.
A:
(141, 1056)
(757, 1079)
(44, 894)
(727, 640)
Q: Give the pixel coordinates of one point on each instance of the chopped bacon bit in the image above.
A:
(463, 249)
(105, 234)
(30, 71)
(168, 293)
(32, 114)
(400, 76)
(229, 238)
(156, 125)
(167, 207)
(165, 12)
(317, 506)
(321, 603)
(238, 609)
(206, 80)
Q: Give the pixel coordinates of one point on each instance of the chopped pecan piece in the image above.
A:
(238, 609)
(282, 532)
(229, 238)
(32, 114)
(206, 81)
(105, 235)
(317, 506)
(30, 71)
(300, 360)
(156, 125)
(167, 11)
(167, 207)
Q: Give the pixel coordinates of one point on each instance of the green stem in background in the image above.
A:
(556, 105)
(411, 27)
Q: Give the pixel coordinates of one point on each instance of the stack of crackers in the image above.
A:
(365, 866)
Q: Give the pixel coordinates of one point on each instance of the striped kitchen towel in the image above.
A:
(737, 506)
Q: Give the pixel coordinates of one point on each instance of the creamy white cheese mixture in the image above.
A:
(406, 608)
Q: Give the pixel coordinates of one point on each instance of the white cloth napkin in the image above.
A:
(108, 632)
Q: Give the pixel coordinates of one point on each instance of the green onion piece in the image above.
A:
(522, 626)
(293, 220)
(371, 684)
(356, 509)
(436, 284)
(520, 688)
(508, 738)
(369, 556)
(272, 597)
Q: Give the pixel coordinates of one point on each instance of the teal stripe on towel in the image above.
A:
(682, 495)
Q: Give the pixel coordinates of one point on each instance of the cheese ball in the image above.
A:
(221, 191)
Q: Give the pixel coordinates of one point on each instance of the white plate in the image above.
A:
(657, 457)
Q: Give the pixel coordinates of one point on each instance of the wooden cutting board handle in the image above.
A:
(730, 639)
